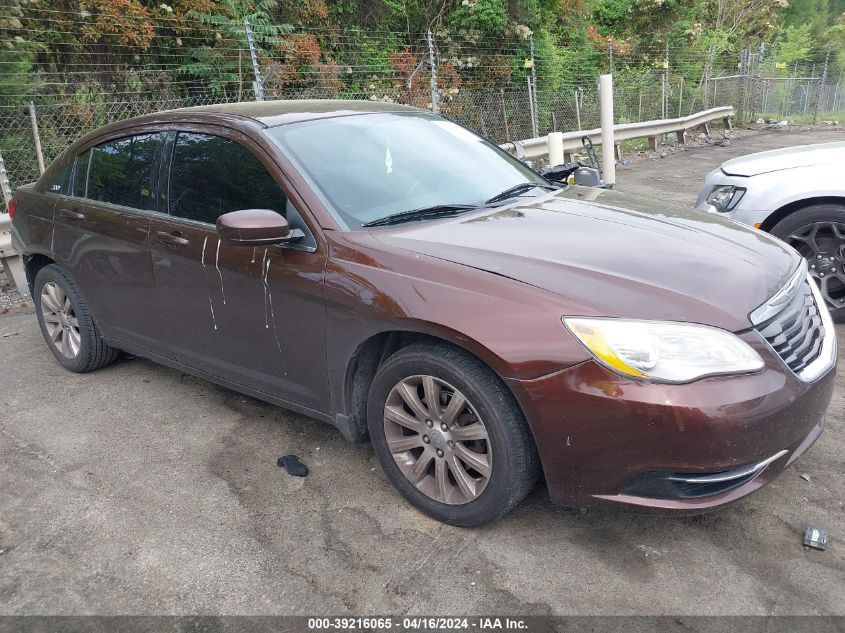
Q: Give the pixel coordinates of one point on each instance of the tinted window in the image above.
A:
(212, 175)
(121, 172)
(81, 174)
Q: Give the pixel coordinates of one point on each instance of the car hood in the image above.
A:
(614, 254)
(786, 158)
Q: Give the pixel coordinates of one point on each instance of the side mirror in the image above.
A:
(254, 227)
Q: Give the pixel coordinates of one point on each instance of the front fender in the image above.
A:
(513, 327)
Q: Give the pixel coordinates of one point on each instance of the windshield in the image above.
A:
(369, 166)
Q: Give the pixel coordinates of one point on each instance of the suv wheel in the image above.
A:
(818, 233)
(450, 436)
(66, 323)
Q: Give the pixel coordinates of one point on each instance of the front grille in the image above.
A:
(796, 332)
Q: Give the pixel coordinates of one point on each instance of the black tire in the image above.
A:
(93, 352)
(825, 216)
(515, 463)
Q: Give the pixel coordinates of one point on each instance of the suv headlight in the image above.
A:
(663, 351)
(725, 197)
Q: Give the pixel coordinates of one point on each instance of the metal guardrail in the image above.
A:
(535, 148)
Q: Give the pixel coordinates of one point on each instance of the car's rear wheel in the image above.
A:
(818, 233)
(450, 436)
(67, 324)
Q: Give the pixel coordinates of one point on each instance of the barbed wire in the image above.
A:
(483, 83)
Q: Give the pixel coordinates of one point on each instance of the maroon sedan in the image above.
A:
(391, 273)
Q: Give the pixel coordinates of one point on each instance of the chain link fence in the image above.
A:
(500, 89)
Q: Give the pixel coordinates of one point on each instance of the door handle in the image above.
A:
(72, 216)
(171, 239)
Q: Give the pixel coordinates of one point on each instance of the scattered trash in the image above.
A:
(805, 476)
(292, 465)
(815, 538)
(8, 334)
(472, 584)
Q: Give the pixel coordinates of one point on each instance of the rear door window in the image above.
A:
(212, 175)
(121, 172)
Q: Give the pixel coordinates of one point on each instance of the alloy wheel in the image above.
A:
(60, 320)
(437, 439)
(823, 245)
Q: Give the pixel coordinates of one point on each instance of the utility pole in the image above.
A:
(435, 105)
(39, 154)
(820, 86)
(610, 52)
(258, 84)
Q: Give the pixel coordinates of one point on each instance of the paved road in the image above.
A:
(140, 490)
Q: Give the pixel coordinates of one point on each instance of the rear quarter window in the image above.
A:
(61, 180)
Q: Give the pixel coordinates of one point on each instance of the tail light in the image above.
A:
(13, 204)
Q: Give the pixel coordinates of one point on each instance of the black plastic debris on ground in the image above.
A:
(292, 465)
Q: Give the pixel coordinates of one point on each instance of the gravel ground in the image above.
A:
(140, 490)
(10, 298)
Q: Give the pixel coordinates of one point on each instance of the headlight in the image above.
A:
(663, 351)
(725, 197)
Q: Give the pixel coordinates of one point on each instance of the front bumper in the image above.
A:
(598, 432)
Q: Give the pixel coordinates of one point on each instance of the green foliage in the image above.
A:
(17, 67)
(611, 15)
(219, 67)
(489, 17)
(793, 44)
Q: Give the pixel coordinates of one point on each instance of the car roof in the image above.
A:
(273, 113)
(243, 116)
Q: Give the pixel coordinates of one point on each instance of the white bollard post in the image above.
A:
(555, 141)
(608, 147)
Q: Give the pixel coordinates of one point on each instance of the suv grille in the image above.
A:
(796, 332)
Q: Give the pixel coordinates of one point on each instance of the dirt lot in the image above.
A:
(140, 490)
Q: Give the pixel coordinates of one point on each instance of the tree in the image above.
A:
(221, 61)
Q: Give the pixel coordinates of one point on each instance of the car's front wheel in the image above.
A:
(67, 324)
(449, 435)
(818, 233)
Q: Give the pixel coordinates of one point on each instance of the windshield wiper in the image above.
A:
(518, 189)
(436, 211)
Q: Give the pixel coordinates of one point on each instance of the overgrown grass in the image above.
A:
(806, 119)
